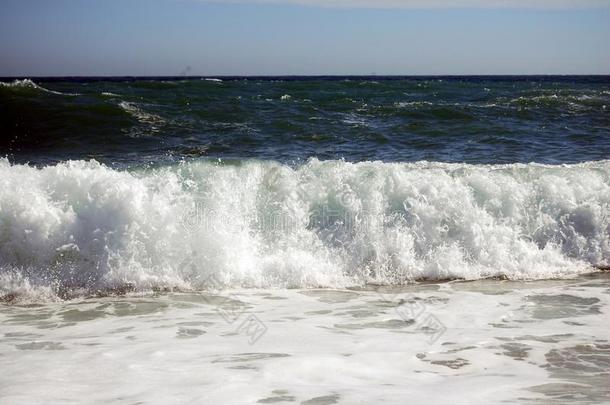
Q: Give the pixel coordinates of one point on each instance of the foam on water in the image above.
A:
(487, 342)
(82, 225)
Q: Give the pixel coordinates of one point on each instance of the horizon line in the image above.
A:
(224, 76)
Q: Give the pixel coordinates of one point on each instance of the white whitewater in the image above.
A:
(204, 224)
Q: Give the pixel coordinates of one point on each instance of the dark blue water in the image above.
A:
(133, 121)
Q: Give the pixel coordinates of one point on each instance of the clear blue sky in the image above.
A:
(164, 37)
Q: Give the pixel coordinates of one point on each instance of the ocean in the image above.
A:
(312, 240)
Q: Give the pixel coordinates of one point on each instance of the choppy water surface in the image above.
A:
(460, 119)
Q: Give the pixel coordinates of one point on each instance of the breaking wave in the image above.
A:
(82, 226)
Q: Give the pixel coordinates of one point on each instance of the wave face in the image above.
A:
(201, 225)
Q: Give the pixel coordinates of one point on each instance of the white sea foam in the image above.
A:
(333, 223)
(484, 343)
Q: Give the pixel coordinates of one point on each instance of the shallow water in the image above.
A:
(478, 342)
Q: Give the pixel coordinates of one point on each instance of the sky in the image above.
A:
(303, 37)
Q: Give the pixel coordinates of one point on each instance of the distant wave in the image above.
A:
(29, 84)
(138, 113)
(593, 99)
(81, 226)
